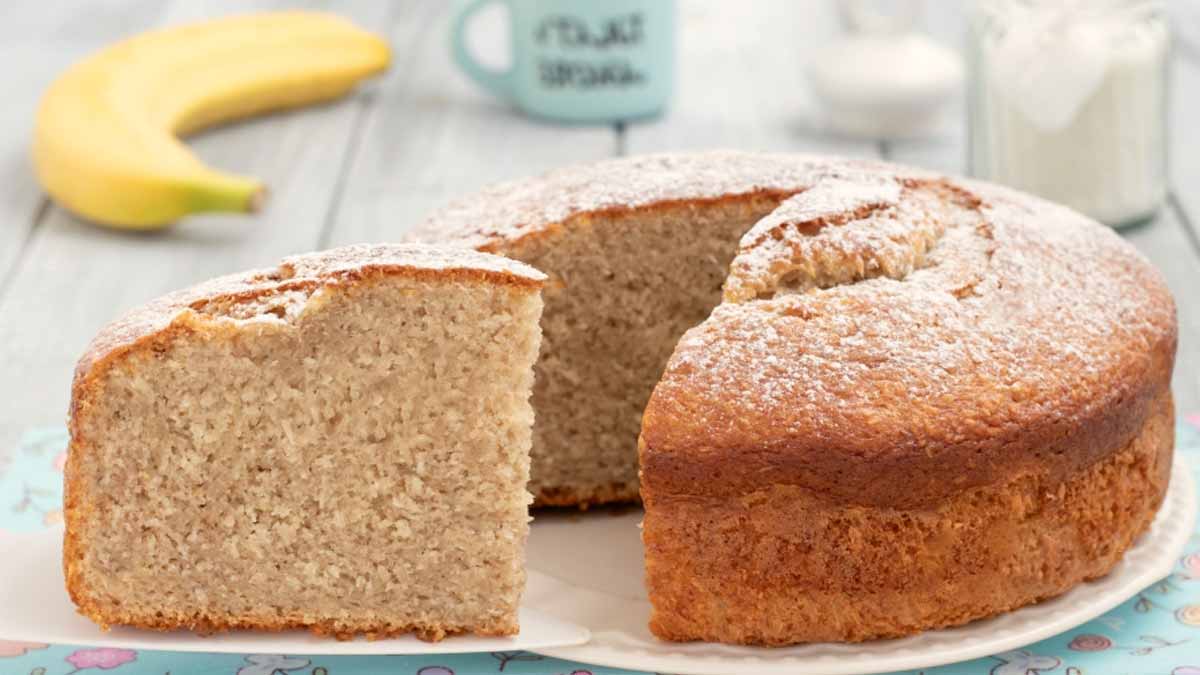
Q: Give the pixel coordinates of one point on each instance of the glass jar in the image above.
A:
(1067, 100)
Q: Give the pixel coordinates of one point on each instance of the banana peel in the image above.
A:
(107, 138)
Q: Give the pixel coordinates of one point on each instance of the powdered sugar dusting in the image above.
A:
(279, 294)
(1020, 310)
(871, 283)
(836, 232)
(506, 212)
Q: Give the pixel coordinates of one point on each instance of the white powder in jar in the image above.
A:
(1068, 101)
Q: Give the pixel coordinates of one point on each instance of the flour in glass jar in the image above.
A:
(1068, 101)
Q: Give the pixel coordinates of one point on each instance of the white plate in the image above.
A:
(588, 570)
(34, 607)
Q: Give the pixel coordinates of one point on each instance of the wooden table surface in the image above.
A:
(368, 167)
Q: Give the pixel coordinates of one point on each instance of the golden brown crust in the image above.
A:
(159, 323)
(778, 564)
(921, 403)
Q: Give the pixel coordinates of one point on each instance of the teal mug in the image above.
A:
(580, 60)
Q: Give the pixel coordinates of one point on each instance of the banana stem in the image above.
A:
(228, 193)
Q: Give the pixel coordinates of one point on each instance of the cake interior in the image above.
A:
(351, 460)
(624, 286)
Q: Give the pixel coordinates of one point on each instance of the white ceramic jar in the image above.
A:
(884, 78)
(1067, 100)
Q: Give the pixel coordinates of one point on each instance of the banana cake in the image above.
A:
(340, 444)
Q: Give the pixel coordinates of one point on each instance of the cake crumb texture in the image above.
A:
(339, 444)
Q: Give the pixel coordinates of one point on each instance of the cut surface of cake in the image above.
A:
(872, 400)
(340, 444)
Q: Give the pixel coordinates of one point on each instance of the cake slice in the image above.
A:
(339, 444)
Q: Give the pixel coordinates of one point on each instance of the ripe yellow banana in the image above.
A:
(106, 142)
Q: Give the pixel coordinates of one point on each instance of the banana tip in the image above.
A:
(257, 200)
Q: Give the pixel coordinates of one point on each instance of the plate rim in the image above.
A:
(1179, 508)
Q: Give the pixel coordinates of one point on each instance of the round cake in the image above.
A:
(900, 401)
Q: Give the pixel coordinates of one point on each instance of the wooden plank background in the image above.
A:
(366, 168)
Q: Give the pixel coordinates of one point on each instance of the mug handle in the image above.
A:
(499, 82)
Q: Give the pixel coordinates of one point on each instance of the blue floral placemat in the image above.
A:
(1156, 632)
